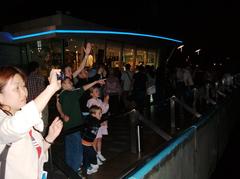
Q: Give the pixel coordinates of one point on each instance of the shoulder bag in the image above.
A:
(3, 157)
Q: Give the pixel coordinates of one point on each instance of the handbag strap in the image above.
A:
(3, 157)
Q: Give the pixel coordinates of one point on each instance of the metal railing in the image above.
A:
(136, 121)
(221, 91)
(199, 95)
(173, 101)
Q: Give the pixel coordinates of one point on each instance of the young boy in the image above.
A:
(91, 128)
(69, 100)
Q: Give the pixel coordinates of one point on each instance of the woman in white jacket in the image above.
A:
(21, 124)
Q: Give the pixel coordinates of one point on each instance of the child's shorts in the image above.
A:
(102, 131)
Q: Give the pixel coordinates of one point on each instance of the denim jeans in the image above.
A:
(74, 150)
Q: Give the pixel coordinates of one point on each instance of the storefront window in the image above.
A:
(113, 54)
(73, 51)
(151, 58)
(48, 53)
(55, 52)
(141, 58)
(129, 56)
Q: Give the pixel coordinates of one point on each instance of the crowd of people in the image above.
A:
(86, 89)
(86, 97)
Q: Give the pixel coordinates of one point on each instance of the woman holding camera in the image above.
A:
(22, 147)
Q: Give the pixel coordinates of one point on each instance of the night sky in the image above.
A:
(207, 24)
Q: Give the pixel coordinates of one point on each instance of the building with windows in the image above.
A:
(59, 39)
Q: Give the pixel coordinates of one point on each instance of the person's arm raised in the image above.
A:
(87, 52)
(87, 86)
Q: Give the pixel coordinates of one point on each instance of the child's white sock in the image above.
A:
(100, 156)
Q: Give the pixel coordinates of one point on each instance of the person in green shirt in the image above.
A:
(69, 100)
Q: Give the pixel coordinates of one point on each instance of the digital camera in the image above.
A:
(61, 76)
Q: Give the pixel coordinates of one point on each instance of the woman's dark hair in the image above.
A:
(6, 73)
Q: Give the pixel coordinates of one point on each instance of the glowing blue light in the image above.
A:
(105, 32)
(33, 35)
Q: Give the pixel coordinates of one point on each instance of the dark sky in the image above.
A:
(210, 24)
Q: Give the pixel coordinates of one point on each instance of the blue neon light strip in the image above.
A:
(33, 35)
(105, 32)
(167, 151)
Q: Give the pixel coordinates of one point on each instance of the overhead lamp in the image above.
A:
(197, 51)
(180, 47)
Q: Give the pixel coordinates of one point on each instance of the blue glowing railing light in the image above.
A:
(93, 32)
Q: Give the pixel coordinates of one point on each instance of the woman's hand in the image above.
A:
(88, 49)
(54, 129)
(53, 82)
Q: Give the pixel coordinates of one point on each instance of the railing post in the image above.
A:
(139, 138)
(172, 114)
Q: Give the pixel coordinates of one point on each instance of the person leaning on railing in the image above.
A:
(21, 124)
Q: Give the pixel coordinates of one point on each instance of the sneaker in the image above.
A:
(101, 157)
(91, 170)
(95, 166)
(99, 162)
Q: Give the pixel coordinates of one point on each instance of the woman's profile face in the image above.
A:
(14, 94)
